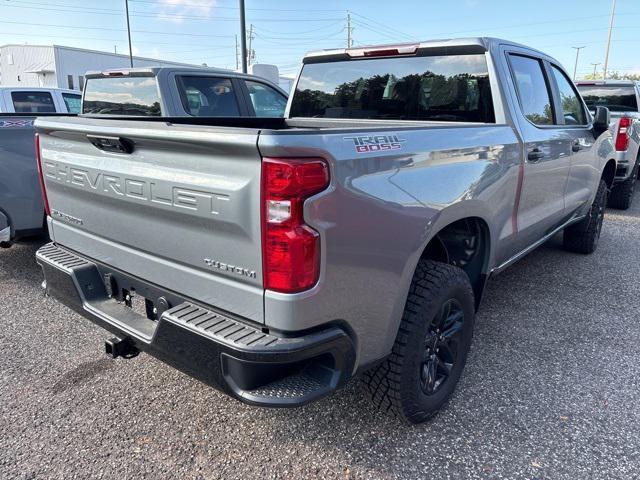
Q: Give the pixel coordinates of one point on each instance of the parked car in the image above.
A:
(622, 98)
(21, 208)
(277, 258)
(39, 100)
(150, 91)
(172, 91)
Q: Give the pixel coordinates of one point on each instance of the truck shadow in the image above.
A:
(532, 368)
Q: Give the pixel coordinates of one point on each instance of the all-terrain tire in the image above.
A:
(622, 193)
(582, 237)
(398, 384)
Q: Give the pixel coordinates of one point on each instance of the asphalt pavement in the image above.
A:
(551, 390)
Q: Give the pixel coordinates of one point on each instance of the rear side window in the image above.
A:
(33, 102)
(72, 102)
(621, 98)
(533, 91)
(266, 101)
(572, 108)
(441, 88)
(208, 96)
(122, 96)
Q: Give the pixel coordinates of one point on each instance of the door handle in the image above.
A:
(576, 147)
(535, 155)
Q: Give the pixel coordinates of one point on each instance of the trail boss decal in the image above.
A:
(376, 143)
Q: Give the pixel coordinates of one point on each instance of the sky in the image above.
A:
(205, 31)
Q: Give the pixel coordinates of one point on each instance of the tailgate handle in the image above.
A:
(111, 144)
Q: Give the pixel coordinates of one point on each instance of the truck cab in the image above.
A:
(181, 92)
(39, 100)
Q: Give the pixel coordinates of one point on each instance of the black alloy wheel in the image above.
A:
(441, 347)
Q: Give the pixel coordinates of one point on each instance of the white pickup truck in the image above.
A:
(622, 98)
(39, 100)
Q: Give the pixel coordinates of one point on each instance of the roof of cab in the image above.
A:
(155, 71)
(449, 45)
(39, 89)
(609, 83)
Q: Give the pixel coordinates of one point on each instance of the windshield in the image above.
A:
(620, 98)
(444, 88)
(122, 96)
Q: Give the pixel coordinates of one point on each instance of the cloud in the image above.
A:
(173, 10)
(135, 50)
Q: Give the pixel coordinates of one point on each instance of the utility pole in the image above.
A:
(243, 38)
(575, 67)
(606, 55)
(250, 51)
(126, 6)
(349, 31)
(237, 66)
(595, 65)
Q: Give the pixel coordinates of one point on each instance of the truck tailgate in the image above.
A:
(181, 209)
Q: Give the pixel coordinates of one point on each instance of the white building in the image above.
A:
(61, 67)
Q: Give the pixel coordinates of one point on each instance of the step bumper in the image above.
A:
(235, 355)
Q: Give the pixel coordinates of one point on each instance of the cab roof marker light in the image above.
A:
(115, 73)
(383, 51)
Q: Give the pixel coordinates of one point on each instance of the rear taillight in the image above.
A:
(41, 175)
(290, 248)
(622, 138)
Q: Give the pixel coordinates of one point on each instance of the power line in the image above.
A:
(189, 4)
(167, 16)
(111, 39)
(157, 32)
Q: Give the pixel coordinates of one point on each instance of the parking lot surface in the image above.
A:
(551, 390)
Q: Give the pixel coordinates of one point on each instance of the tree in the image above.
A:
(614, 76)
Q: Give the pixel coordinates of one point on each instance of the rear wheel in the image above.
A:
(622, 193)
(431, 348)
(582, 237)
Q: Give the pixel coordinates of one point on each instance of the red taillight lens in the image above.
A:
(622, 139)
(290, 248)
(41, 175)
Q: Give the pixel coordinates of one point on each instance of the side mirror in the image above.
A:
(601, 121)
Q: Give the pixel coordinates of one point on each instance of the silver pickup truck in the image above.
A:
(622, 98)
(277, 258)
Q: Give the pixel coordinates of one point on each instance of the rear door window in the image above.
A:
(124, 95)
(533, 91)
(32, 102)
(617, 98)
(451, 88)
(208, 96)
(266, 101)
(72, 102)
(572, 108)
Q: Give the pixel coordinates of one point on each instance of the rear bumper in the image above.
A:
(5, 235)
(238, 357)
